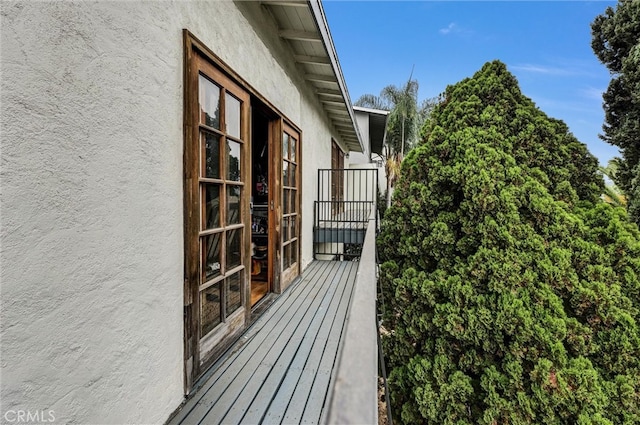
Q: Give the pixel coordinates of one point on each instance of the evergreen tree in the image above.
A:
(616, 42)
(511, 290)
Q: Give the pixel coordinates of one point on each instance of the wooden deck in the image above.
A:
(281, 369)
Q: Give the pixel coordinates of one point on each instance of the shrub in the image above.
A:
(512, 292)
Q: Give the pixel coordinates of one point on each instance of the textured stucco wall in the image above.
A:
(356, 159)
(316, 153)
(362, 118)
(91, 211)
(91, 236)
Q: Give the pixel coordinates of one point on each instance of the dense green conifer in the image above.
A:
(616, 42)
(511, 290)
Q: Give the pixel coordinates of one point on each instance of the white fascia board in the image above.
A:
(371, 110)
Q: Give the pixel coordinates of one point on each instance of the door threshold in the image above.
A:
(261, 306)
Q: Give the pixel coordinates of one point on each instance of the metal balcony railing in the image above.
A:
(345, 200)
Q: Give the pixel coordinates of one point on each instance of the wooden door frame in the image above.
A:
(275, 173)
(196, 61)
(287, 277)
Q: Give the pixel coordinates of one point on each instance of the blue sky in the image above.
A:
(545, 44)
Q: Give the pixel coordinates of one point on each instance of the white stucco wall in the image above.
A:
(357, 158)
(91, 236)
(362, 118)
(316, 153)
(91, 212)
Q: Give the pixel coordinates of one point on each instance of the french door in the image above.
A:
(217, 192)
(216, 213)
(290, 208)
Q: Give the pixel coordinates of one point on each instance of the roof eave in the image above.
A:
(302, 25)
(323, 27)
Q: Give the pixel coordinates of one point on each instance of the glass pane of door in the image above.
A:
(233, 288)
(211, 314)
(234, 194)
(209, 99)
(211, 215)
(210, 155)
(232, 114)
(234, 248)
(233, 161)
(211, 256)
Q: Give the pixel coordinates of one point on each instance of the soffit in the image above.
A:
(377, 130)
(303, 25)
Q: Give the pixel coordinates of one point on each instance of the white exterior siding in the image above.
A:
(367, 159)
(316, 153)
(362, 119)
(92, 195)
(357, 158)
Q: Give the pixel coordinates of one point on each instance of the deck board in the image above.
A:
(246, 347)
(240, 370)
(311, 392)
(294, 394)
(295, 364)
(327, 361)
(274, 366)
(280, 369)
